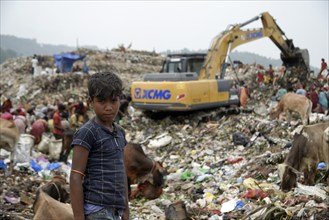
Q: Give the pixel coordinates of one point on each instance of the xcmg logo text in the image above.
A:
(152, 94)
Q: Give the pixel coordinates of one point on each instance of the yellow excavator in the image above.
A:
(196, 81)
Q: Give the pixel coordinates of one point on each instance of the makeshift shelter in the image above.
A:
(64, 61)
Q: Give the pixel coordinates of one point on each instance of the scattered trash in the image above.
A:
(53, 166)
(230, 205)
(3, 166)
(310, 190)
(24, 148)
(221, 163)
(35, 166)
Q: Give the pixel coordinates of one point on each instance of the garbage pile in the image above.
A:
(222, 164)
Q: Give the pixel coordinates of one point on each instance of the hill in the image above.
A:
(12, 46)
(28, 47)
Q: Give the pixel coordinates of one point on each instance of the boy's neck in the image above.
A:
(108, 125)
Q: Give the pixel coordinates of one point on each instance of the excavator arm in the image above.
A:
(227, 40)
(290, 55)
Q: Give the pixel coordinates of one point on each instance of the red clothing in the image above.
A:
(7, 116)
(38, 128)
(314, 99)
(6, 106)
(58, 129)
(21, 112)
(323, 66)
(260, 77)
(21, 123)
(244, 96)
(79, 108)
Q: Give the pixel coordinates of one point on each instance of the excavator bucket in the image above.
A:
(300, 58)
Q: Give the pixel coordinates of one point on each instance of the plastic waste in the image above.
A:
(240, 139)
(203, 177)
(209, 197)
(310, 190)
(53, 166)
(240, 179)
(229, 206)
(239, 205)
(22, 167)
(321, 166)
(12, 199)
(234, 160)
(43, 146)
(35, 166)
(255, 194)
(24, 147)
(161, 142)
(186, 175)
(201, 202)
(42, 158)
(215, 217)
(55, 149)
(3, 166)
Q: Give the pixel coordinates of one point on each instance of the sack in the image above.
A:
(24, 148)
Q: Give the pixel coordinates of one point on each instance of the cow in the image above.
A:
(9, 137)
(292, 102)
(309, 147)
(50, 201)
(140, 169)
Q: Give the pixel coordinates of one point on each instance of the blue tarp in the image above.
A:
(64, 61)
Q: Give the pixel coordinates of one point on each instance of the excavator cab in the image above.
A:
(177, 63)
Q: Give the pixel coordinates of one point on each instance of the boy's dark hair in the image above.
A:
(104, 85)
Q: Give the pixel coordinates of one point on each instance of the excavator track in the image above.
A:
(202, 115)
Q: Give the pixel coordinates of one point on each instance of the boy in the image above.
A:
(98, 182)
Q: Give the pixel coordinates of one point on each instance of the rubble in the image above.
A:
(221, 162)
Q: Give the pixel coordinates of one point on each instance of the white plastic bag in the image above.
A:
(24, 148)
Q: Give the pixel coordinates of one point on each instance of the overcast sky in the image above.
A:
(163, 25)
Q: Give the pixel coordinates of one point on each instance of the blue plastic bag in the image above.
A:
(321, 166)
(35, 166)
(239, 205)
(3, 166)
(53, 166)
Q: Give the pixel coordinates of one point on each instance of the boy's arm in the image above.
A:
(79, 162)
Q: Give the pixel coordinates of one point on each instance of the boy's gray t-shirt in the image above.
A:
(104, 183)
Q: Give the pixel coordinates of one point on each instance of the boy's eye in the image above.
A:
(114, 99)
(100, 100)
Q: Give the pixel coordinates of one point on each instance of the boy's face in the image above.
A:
(106, 109)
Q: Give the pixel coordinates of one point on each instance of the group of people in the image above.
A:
(37, 120)
(270, 76)
(318, 94)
